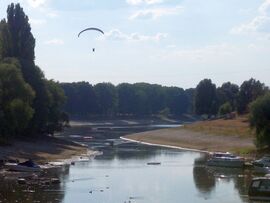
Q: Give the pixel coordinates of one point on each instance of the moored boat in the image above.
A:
(262, 165)
(27, 166)
(225, 160)
(259, 189)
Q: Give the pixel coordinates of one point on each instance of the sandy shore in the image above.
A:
(42, 150)
(179, 137)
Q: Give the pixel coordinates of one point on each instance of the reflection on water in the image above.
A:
(122, 174)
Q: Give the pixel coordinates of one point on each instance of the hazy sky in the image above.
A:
(169, 42)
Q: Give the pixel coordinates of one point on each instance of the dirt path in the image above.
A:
(195, 140)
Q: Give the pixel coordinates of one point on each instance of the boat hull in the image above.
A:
(19, 168)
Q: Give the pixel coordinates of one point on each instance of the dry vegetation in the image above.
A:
(232, 135)
(230, 127)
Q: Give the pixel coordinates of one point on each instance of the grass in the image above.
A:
(231, 127)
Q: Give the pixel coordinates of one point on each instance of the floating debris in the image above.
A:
(153, 163)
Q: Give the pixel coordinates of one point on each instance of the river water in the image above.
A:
(131, 172)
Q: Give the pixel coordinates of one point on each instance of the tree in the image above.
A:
(126, 99)
(228, 92)
(260, 119)
(5, 40)
(15, 102)
(23, 42)
(177, 100)
(205, 98)
(225, 109)
(250, 90)
(57, 118)
(106, 98)
(17, 41)
(81, 99)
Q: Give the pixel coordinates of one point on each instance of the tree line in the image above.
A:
(29, 103)
(139, 99)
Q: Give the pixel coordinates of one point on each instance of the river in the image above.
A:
(131, 172)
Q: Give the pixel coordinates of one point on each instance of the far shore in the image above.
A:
(181, 137)
(42, 150)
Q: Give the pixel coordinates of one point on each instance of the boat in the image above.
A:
(27, 166)
(260, 167)
(225, 160)
(259, 189)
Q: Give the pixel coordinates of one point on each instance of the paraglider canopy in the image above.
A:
(91, 28)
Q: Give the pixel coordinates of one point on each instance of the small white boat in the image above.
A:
(225, 160)
(259, 189)
(27, 166)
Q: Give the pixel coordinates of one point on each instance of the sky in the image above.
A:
(167, 42)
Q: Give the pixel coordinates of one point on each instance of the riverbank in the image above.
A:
(190, 137)
(42, 150)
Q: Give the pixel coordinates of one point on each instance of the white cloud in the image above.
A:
(265, 7)
(36, 3)
(138, 2)
(55, 42)
(117, 35)
(155, 13)
(260, 24)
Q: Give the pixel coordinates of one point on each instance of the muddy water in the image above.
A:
(129, 172)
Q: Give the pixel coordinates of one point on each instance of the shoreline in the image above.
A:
(163, 145)
(180, 138)
(42, 150)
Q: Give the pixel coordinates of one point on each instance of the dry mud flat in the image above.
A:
(42, 150)
(183, 138)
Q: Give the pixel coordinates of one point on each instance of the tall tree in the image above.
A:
(205, 98)
(177, 100)
(23, 42)
(5, 40)
(17, 41)
(250, 90)
(228, 92)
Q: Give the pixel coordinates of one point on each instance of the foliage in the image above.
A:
(137, 99)
(225, 109)
(106, 95)
(260, 119)
(57, 119)
(250, 90)
(206, 98)
(22, 41)
(15, 102)
(42, 111)
(228, 92)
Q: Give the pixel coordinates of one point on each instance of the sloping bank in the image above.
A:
(42, 150)
(198, 141)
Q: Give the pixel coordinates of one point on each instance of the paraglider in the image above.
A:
(89, 29)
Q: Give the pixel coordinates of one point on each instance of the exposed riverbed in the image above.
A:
(132, 172)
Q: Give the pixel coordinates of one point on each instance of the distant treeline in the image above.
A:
(139, 99)
(142, 99)
(29, 103)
